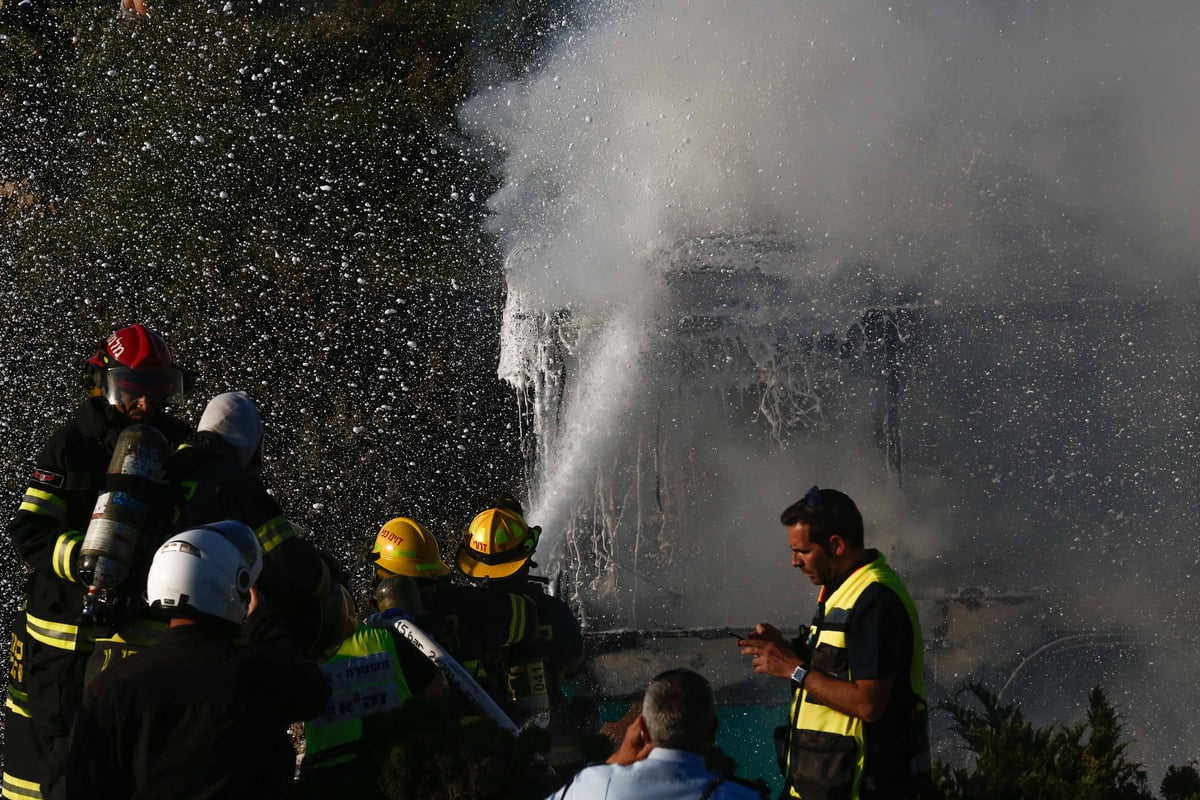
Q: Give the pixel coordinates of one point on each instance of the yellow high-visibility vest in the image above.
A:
(367, 679)
(831, 744)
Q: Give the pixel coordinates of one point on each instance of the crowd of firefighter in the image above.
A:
(144, 536)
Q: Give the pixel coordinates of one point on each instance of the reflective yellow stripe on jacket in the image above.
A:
(62, 635)
(39, 501)
(812, 716)
(15, 788)
(17, 701)
(43, 503)
(273, 533)
(518, 619)
(132, 636)
(62, 560)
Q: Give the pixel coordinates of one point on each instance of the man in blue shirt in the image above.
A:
(662, 755)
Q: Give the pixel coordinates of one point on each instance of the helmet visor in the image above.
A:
(123, 385)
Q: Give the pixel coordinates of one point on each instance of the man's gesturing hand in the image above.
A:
(770, 651)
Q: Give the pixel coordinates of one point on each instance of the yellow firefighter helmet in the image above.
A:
(404, 547)
(498, 542)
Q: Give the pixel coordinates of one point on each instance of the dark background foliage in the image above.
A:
(1011, 758)
(283, 190)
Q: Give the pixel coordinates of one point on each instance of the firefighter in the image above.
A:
(478, 629)
(373, 672)
(217, 475)
(131, 378)
(197, 714)
(497, 555)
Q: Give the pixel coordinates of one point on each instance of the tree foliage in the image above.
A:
(1181, 783)
(1012, 758)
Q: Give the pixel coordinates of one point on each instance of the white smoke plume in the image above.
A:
(927, 135)
(985, 155)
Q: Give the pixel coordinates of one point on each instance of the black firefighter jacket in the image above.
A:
(196, 715)
(214, 486)
(50, 524)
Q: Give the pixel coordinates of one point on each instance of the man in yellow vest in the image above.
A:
(858, 722)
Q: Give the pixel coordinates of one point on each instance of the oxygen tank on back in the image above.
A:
(136, 474)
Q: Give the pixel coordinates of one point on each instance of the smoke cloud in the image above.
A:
(978, 149)
(1024, 172)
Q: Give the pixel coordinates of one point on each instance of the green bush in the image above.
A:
(1013, 759)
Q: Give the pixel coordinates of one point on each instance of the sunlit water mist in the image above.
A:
(576, 424)
(938, 255)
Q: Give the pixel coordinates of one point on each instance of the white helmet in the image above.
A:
(209, 569)
(234, 417)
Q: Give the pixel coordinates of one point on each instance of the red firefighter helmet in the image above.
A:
(135, 361)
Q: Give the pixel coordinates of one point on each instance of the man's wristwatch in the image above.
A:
(798, 676)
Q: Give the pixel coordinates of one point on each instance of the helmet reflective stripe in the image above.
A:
(496, 531)
(182, 546)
